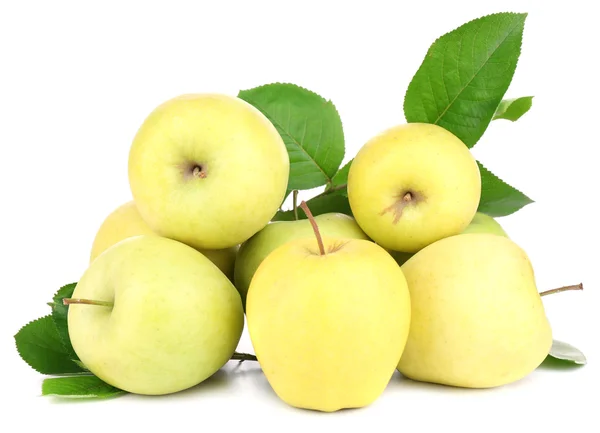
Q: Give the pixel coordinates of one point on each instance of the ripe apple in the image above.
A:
(162, 318)
(328, 320)
(254, 250)
(208, 170)
(477, 318)
(125, 222)
(413, 184)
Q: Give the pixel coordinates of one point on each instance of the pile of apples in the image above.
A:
(416, 281)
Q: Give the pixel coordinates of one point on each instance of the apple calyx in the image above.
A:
(562, 289)
(314, 225)
(407, 198)
(70, 301)
(198, 171)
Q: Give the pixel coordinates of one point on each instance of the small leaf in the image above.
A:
(340, 180)
(59, 316)
(40, 346)
(79, 387)
(497, 197)
(465, 74)
(566, 353)
(513, 109)
(309, 125)
(319, 205)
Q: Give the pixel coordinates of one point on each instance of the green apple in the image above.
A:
(162, 318)
(478, 320)
(208, 170)
(328, 325)
(483, 223)
(125, 221)
(254, 251)
(413, 184)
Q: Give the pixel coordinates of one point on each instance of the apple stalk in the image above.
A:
(314, 225)
(562, 289)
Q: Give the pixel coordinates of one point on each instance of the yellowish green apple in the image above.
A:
(208, 170)
(481, 223)
(328, 321)
(413, 184)
(477, 318)
(125, 221)
(154, 316)
(256, 249)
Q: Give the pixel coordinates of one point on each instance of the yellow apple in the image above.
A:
(165, 317)
(413, 184)
(328, 330)
(125, 221)
(208, 170)
(254, 250)
(477, 318)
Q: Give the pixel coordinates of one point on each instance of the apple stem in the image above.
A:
(315, 227)
(237, 356)
(69, 301)
(295, 201)
(562, 289)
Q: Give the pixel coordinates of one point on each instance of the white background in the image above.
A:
(77, 80)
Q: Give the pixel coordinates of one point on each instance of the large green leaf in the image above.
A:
(465, 74)
(59, 316)
(79, 387)
(309, 125)
(513, 109)
(40, 346)
(334, 202)
(340, 180)
(566, 353)
(497, 197)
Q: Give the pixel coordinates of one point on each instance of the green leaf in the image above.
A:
(309, 125)
(79, 387)
(465, 74)
(497, 197)
(318, 205)
(40, 346)
(566, 353)
(340, 180)
(513, 109)
(59, 316)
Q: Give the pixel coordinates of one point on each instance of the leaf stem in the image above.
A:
(295, 201)
(69, 301)
(562, 289)
(333, 189)
(237, 356)
(315, 227)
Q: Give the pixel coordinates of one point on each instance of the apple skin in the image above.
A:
(481, 223)
(176, 318)
(413, 184)
(256, 249)
(208, 170)
(478, 320)
(328, 331)
(125, 222)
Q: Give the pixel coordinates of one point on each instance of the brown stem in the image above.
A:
(237, 356)
(295, 201)
(69, 301)
(562, 289)
(315, 227)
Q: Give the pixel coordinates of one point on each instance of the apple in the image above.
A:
(328, 319)
(477, 320)
(154, 316)
(208, 170)
(254, 250)
(125, 221)
(413, 184)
